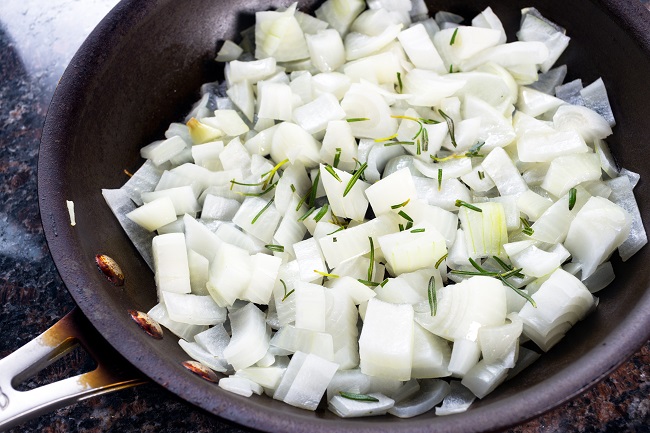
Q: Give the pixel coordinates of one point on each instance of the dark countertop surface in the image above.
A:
(37, 40)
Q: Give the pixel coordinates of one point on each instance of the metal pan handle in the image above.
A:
(113, 372)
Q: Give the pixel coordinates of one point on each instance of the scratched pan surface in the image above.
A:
(141, 69)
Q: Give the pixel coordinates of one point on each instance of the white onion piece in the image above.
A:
(349, 408)
(258, 218)
(595, 98)
(310, 260)
(536, 262)
(428, 88)
(458, 400)
(598, 216)
(292, 142)
(358, 45)
(293, 339)
(391, 191)
(183, 330)
(340, 13)
(339, 138)
(623, 196)
(278, 35)
(198, 353)
(444, 197)
(408, 251)
(378, 69)
(420, 49)
(341, 324)
(268, 377)
(199, 272)
(484, 377)
(354, 204)
(314, 116)
(485, 231)
(508, 55)
(200, 239)
(385, 348)
(193, 309)
(488, 19)
(359, 103)
(505, 175)
(230, 273)
(353, 242)
(120, 204)
(358, 292)
(285, 301)
(468, 41)
(430, 394)
(326, 49)
(464, 355)
(561, 301)
(214, 340)
(172, 273)
(535, 28)
(263, 277)
(250, 340)
(525, 359)
(305, 381)
(589, 124)
(183, 199)
(143, 180)
(310, 306)
(497, 341)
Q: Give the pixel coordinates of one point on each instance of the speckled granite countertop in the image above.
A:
(37, 39)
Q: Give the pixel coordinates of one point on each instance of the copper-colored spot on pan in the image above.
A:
(201, 370)
(110, 269)
(149, 325)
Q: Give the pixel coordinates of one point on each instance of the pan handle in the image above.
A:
(113, 372)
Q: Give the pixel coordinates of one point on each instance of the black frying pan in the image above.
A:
(142, 68)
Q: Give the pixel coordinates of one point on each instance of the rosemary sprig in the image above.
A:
(382, 139)
(527, 230)
(404, 215)
(397, 143)
(331, 171)
(368, 283)
(439, 179)
(397, 206)
(266, 206)
(450, 126)
(321, 213)
(471, 153)
(506, 267)
(273, 247)
(453, 37)
(336, 231)
(399, 82)
(271, 173)
(306, 214)
(325, 274)
(501, 276)
(481, 175)
(358, 397)
(371, 266)
(572, 198)
(433, 298)
(440, 260)
(357, 174)
(356, 119)
(286, 295)
(337, 157)
(460, 203)
(417, 231)
(314, 190)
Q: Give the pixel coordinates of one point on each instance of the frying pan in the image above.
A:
(141, 69)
